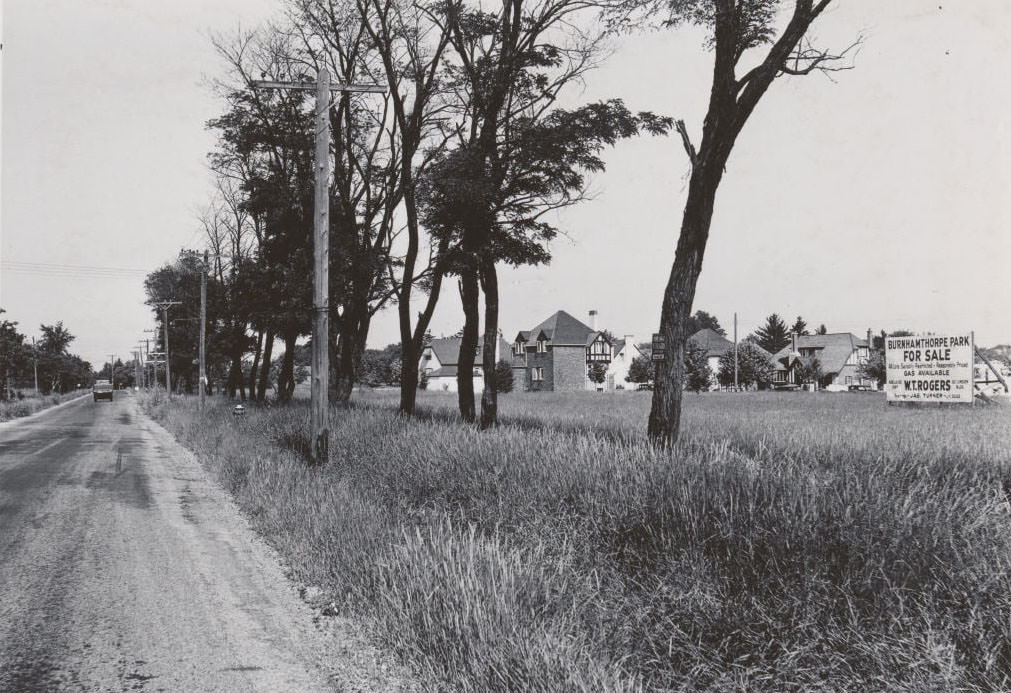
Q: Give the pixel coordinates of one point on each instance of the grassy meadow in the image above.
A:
(791, 541)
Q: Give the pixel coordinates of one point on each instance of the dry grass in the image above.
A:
(790, 542)
(27, 406)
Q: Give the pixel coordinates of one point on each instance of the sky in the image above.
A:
(878, 199)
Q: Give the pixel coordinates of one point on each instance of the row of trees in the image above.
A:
(49, 360)
(451, 175)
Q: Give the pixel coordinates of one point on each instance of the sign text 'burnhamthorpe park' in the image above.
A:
(934, 368)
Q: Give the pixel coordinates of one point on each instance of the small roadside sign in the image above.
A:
(659, 347)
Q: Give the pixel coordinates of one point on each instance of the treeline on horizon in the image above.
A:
(58, 370)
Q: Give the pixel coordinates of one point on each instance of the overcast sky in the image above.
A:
(880, 200)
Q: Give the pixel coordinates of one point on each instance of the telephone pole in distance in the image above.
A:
(165, 305)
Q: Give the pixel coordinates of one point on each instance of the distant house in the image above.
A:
(556, 355)
(623, 352)
(716, 345)
(439, 361)
(840, 356)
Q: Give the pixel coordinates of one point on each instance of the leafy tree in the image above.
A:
(738, 28)
(754, 369)
(504, 376)
(799, 326)
(773, 335)
(518, 157)
(874, 367)
(14, 356)
(641, 369)
(702, 320)
(597, 373)
(821, 329)
(698, 374)
(809, 371)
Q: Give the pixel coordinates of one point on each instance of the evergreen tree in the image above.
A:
(773, 335)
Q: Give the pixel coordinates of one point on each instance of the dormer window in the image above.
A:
(542, 346)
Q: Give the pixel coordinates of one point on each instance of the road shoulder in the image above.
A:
(332, 644)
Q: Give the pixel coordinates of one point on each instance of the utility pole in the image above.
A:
(165, 305)
(112, 370)
(735, 351)
(141, 367)
(136, 368)
(35, 365)
(319, 408)
(147, 359)
(203, 332)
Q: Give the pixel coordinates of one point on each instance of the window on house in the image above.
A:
(542, 346)
(780, 377)
(537, 374)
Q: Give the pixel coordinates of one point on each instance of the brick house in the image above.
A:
(556, 355)
(840, 356)
(439, 362)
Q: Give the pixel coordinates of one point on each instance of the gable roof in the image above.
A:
(561, 328)
(833, 350)
(712, 341)
(447, 350)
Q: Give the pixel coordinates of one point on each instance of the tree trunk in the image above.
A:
(235, 377)
(412, 344)
(470, 296)
(489, 397)
(355, 329)
(264, 375)
(286, 376)
(665, 415)
(255, 367)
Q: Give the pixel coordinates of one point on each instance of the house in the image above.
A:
(716, 345)
(623, 352)
(840, 356)
(439, 363)
(557, 355)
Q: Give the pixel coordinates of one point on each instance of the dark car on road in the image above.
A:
(102, 389)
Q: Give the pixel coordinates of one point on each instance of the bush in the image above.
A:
(503, 376)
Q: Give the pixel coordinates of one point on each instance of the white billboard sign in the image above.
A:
(931, 368)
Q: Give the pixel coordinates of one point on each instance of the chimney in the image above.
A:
(869, 343)
(793, 342)
(593, 320)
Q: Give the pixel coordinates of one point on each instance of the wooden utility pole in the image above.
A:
(735, 351)
(112, 370)
(35, 364)
(319, 408)
(203, 332)
(165, 305)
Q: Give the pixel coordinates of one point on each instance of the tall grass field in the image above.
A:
(26, 406)
(789, 542)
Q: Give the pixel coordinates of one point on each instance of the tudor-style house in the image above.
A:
(557, 355)
(840, 356)
(439, 362)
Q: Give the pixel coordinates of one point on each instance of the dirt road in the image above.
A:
(123, 568)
